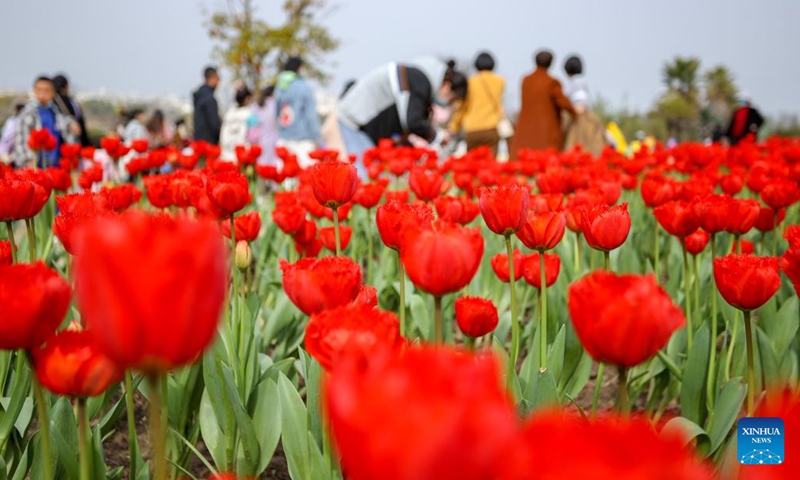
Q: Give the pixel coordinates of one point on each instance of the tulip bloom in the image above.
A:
(648, 454)
(606, 228)
(368, 195)
(425, 184)
(742, 216)
(622, 319)
(393, 217)
(354, 329)
(505, 209)
(19, 199)
(476, 316)
(677, 218)
(327, 237)
(747, 282)
(334, 183)
(60, 178)
(767, 219)
(317, 285)
(500, 266)
(246, 227)
(696, 242)
(161, 310)
(790, 261)
(6, 258)
(543, 231)
(531, 269)
(367, 296)
(289, 218)
(463, 421)
(35, 300)
(228, 192)
(122, 197)
(72, 364)
(780, 194)
(657, 190)
(712, 212)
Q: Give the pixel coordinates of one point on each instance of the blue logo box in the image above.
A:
(760, 441)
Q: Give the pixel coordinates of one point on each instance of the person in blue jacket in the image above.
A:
(296, 111)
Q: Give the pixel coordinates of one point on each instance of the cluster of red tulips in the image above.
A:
(401, 383)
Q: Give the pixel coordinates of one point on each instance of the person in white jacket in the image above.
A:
(235, 124)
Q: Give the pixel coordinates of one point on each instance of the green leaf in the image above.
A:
(64, 437)
(267, 421)
(294, 433)
(769, 365)
(211, 432)
(688, 430)
(579, 378)
(542, 392)
(555, 356)
(420, 314)
(217, 395)
(693, 387)
(729, 404)
(249, 451)
(98, 464)
(783, 330)
(14, 406)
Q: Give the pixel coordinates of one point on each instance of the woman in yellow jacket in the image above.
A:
(482, 110)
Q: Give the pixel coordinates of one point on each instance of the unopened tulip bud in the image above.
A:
(243, 255)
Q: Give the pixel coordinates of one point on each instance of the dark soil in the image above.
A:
(116, 449)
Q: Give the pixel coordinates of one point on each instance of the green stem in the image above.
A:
(402, 273)
(437, 312)
(751, 376)
(687, 303)
(512, 362)
(158, 440)
(542, 314)
(656, 247)
(44, 426)
(18, 375)
(607, 257)
(336, 232)
(775, 234)
(83, 444)
(624, 403)
(711, 380)
(469, 342)
(577, 254)
(368, 232)
(132, 440)
(601, 367)
(695, 261)
(670, 365)
(10, 229)
(729, 355)
(31, 240)
(736, 243)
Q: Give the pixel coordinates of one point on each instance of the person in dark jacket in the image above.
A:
(207, 123)
(396, 100)
(745, 123)
(70, 107)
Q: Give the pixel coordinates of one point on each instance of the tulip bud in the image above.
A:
(243, 255)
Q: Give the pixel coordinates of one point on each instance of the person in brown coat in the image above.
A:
(539, 122)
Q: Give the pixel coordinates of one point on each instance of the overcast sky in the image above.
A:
(160, 46)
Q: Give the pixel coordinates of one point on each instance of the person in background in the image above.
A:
(745, 123)
(159, 130)
(235, 124)
(207, 123)
(264, 127)
(40, 113)
(396, 100)
(135, 128)
(482, 110)
(180, 138)
(296, 111)
(586, 129)
(539, 122)
(70, 107)
(9, 135)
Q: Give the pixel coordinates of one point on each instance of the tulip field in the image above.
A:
(558, 316)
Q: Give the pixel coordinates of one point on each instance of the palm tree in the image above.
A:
(721, 91)
(681, 75)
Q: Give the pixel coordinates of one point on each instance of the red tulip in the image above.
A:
(228, 192)
(780, 193)
(696, 242)
(505, 208)
(352, 329)
(35, 300)
(500, 266)
(401, 196)
(247, 156)
(425, 184)
(442, 259)
(743, 215)
(657, 190)
(246, 226)
(731, 184)
(159, 191)
(289, 218)
(150, 287)
(462, 425)
(5, 253)
(743, 246)
(476, 316)
(123, 196)
(393, 218)
(16, 199)
(544, 450)
(449, 209)
(532, 273)
(309, 249)
(65, 225)
(114, 147)
(368, 195)
(270, 172)
(59, 178)
(41, 139)
(606, 228)
(72, 364)
(622, 319)
(746, 281)
(767, 220)
(328, 237)
(677, 218)
(84, 203)
(367, 296)
(334, 183)
(543, 231)
(712, 212)
(317, 285)
(306, 233)
(546, 202)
